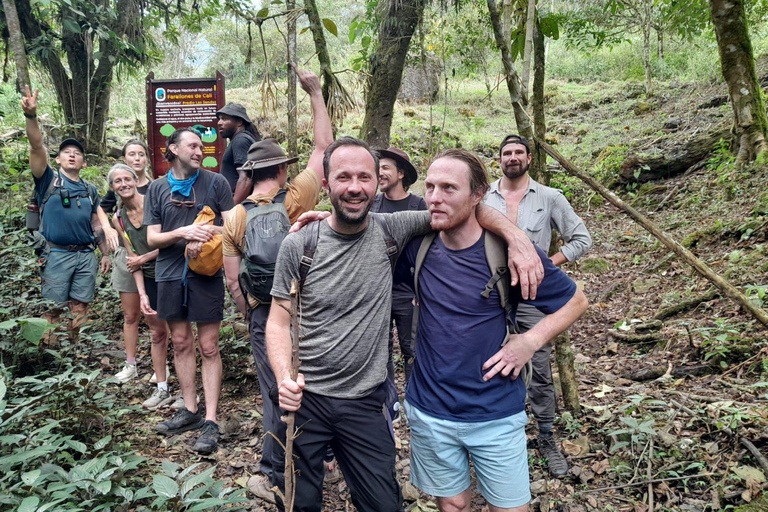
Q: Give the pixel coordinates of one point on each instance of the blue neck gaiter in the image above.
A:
(183, 187)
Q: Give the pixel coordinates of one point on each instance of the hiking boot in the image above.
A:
(128, 373)
(158, 398)
(261, 487)
(182, 421)
(208, 440)
(153, 378)
(549, 449)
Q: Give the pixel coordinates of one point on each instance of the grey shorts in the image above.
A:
(122, 278)
(70, 275)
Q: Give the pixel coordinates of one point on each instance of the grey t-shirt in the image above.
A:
(345, 302)
(158, 209)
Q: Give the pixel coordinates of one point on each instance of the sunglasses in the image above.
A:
(189, 203)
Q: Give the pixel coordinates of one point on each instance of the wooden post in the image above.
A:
(684, 254)
(290, 417)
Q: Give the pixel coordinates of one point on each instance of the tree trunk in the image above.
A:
(529, 30)
(660, 40)
(316, 27)
(16, 40)
(386, 68)
(737, 60)
(564, 359)
(647, 8)
(293, 147)
(513, 81)
(539, 164)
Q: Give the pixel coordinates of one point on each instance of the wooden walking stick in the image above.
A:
(290, 417)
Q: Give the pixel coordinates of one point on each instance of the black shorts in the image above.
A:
(204, 296)
(150, 286)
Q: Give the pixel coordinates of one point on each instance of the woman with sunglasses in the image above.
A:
(140, 265)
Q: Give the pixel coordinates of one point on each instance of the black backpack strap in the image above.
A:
(310, 245)
(426, 243)
(280, 196)
(376, 206)
(413, 202)
(202, 205)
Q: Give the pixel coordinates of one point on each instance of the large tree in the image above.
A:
(750, 126)
(398, 23)
(81, 43)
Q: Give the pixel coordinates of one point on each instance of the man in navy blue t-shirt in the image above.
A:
(464, 397)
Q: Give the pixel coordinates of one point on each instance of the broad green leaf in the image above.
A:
(164, 486)
(3, 389)
(263, 12)
(29, 504)
(170, 469)
(330, 26)
(76, 445)
(31, 477)
(103, 487)
(11, 439)
(71, 25)
(27, 456)
(190, 484)
(7, 325)
(101, 443)
(32, 329)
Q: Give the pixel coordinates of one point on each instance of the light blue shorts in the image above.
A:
(440, 451)
(70, 275)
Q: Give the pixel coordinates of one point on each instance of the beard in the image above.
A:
(386, 184)
(351, 218)
(515, 171)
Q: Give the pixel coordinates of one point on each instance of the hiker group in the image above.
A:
(463, 274)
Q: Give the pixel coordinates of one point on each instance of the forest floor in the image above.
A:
(666, 420)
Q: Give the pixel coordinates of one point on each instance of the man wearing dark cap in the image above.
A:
(267, 168)
(68, 222)
(536, 209)
(396, 175)
(235, 125)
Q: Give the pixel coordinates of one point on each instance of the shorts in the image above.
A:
(150, 286)
(70, 275)
(204, 295)
(122, 278)
(440, 451)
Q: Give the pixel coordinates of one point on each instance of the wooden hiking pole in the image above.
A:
(290, 417)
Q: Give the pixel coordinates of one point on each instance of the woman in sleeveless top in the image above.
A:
(140, 262)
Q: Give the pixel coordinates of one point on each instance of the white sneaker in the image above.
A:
(158, 398)
(153, 379)
(128, 373)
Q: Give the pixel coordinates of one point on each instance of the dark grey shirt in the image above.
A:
(345, 303)
(235, 156)
(158, 209)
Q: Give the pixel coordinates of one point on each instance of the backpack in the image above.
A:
(496, 257)
(413, 202)
(310, 244)
(266, 226)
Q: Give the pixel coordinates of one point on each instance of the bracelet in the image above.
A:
(30, 116)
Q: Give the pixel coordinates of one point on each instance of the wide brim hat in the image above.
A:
(235, 110)
(266, 153)
(403, 162)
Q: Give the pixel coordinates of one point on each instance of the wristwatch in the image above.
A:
(30, 116)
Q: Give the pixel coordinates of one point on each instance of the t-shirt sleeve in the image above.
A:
(302, 194)
(152, 204)
(555, 290)
(406, 225)
(96, 199)
(234, 229)
(240, 148)
(42, 183)
(223, 193)
(287, 266)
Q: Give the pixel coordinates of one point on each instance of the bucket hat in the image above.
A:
(235, 110)
(265, 153)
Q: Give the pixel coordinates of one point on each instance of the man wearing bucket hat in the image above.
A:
(235, 125)
(396, 175)
(267, 166)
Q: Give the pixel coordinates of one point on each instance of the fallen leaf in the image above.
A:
(601, 466)
(604, 389)
(242, 481)
(592, 501)
(749, 473)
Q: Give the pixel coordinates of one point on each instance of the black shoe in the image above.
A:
(550, 450)
(208, 440)
(182, 421)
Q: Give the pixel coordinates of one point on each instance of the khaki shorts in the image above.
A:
(122, 279)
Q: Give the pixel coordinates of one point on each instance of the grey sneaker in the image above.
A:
(550, 450)
(182, 421)
(208, 441)
(179, 402)
(261, 487)
(158, 398)
(153, 378)
(127, 374)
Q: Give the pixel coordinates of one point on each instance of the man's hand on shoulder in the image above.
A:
(510, 360)
(524, 264)
(290, 393)
(308, 217)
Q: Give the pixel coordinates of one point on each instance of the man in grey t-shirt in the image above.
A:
(345, 306)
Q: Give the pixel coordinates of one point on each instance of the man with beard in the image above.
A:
(345, 306)
(183, 296)
(536, 209)
(464, 398)
(396, 175)
(235, 125)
